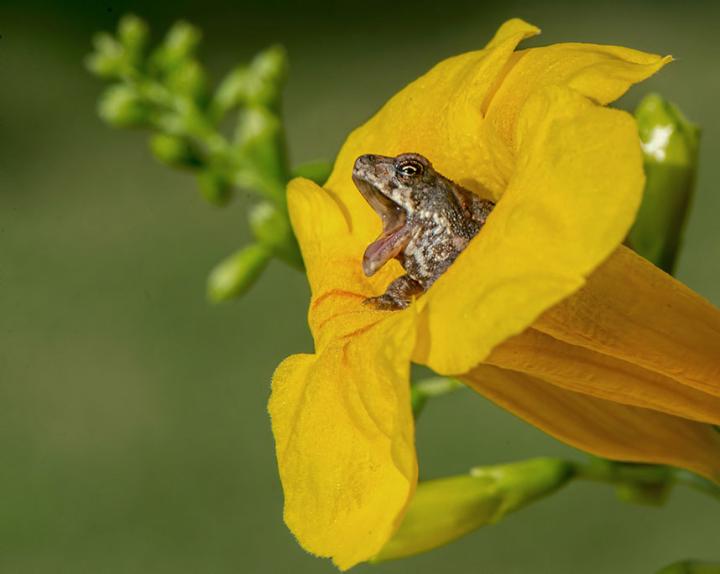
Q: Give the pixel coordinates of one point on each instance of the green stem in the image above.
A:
(644, 483)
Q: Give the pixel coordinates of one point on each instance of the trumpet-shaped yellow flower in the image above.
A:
(544, 312)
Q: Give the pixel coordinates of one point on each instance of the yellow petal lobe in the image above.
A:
(345, 441)
(438, 115)
(341, 418)
(586, 371)
(633, 311)
(601, 427)
(571, 199)
(600, 73)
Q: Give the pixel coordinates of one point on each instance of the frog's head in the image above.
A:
(393, 186)
(392, 183)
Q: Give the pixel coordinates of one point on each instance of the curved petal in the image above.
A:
(604, 428)
(437, 115)
(332, 258)
(573, 196)
(631, 310)
(586, 371)
(601, 73)
(344, 439)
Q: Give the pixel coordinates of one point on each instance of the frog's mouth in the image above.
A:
(395, 234)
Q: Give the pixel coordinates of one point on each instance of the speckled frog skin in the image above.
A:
(427, 221)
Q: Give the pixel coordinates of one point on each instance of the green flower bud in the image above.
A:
(271, 227)
(692, 567)
(262, 151)
(231, 92)
(267, 75)
(670, 146)
(180, 44)
(108, 60)
(122, 106)
(174, 151)
(214, 186)
(107, 45)
(446, 509)
(236, 274)
(188, 79)
(133, 34)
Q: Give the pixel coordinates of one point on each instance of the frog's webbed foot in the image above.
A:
(397, 296)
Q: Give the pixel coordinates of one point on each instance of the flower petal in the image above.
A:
(344, 436)
(604, 428)
(585, 371)
(601, 73)
(437, 115)
(631, 310)
(576, 187)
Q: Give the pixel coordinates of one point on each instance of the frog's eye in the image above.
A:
(410, 168)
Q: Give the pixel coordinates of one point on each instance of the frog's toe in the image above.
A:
(386, 303)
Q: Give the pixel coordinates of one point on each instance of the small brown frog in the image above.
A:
(427, 221)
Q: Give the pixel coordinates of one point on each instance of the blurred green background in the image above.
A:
(133, 430)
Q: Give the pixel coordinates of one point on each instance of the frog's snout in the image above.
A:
(363, 163)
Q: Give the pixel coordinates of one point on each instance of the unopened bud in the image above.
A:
(262, 148)
(271, 227)
(188, 79)
(231, 92)
(214, 186)
(174, 151)
(267, 74)
(180, 44)
(446, 509)
(122, 106)
(108, 59)
(133, 34)
(236, 274)
(670, 146)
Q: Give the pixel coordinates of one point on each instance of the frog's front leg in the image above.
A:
(398, 294)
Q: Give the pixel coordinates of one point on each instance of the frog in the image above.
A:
(427, 221)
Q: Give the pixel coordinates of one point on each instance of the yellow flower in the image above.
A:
(544, 312)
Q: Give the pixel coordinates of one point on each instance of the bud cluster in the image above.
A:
(166, 91)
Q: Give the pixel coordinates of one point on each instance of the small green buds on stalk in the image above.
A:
(670, 147)
(446, 509)
(166, 90)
